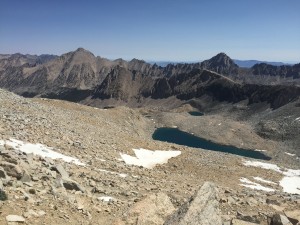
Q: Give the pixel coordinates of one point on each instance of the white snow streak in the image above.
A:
(123, 175)
(290, 154)
(40, 150)
(147, 158)
(253, 185)
(259, 150)
(263, 180)
(263, 165)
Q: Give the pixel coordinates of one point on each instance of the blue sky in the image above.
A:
(179, 30)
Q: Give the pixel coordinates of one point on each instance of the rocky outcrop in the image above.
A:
(18, 59)
(222, 64)
(281, 71)
(203, 208)
(153, 210)
(293, 216)
(279, 219)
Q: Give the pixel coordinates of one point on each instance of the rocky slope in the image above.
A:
(100, 188)
(18, 59)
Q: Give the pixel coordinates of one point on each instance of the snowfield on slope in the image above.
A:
(147, 158)
(40, 150)
(290, 183)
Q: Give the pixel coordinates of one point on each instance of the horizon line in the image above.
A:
(155, 60)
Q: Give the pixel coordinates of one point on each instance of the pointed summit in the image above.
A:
(82, 50)
(222, 59)
(221, 63)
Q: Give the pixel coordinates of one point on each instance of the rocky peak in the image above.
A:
(134, 60)
(83, 51)
(221, 63)
(80, 49)
(221, 59)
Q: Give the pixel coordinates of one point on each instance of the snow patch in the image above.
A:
(106, 199)
(147, 158)
(102, 160)
(291, 173)
(297, 119)
(263, 165)
(291, 185)
(259, 150)
(248, 183)
(263, 180)
(290, 154)
(291, 180)
(40, 150)
(123, 175)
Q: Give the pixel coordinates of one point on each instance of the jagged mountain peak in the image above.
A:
(83, 52)
(80, 49)
(79, 56)
(222, 58)
(134, 60)
(220, 63)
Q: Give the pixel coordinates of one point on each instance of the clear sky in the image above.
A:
(179, 30)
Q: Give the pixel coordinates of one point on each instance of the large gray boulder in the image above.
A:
(202, 209)
(152, 210)
(279, 219)
(12, 169)
(293, 216)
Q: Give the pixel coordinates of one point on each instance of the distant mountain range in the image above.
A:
(81, 76)
(250, 63)
(240, 63)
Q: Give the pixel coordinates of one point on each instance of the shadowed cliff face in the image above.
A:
(282, 71)
(120, 84)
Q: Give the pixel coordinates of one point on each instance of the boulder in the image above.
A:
(249, 217)
(12, 169)
(15, 218)
(1, 185)
(72, 185)
(293, 216)
(152, 210)
(202, 208)
(26, 177)
(279, 219)
(61, 170)
(2, 173)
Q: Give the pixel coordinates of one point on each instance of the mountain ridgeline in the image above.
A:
(82, 77)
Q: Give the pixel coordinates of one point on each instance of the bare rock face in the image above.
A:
(293, 216)
(153, 210)
(12, 169)
(202, 209)
(280, 220)
(72, 185)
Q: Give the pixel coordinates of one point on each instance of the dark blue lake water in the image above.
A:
(195, 113)
(174, 135)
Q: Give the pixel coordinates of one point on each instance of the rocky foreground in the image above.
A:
(85, 179)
